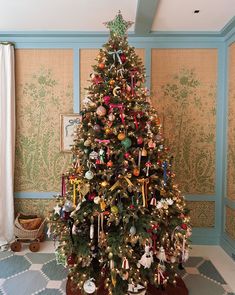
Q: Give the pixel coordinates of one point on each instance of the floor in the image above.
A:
(209, 271)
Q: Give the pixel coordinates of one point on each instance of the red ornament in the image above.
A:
(132, 207)
(140, 140)
(106, 99)
(123, 58)
(71, 260)
(159, 163)
(97, 79)
(127, 155)
(91, 196)
(184, 226)
(101, 66)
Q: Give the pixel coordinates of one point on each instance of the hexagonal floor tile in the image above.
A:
(40, 258)
(208, 269)
(13, 265)
(197, 284)
(193, 261)
(24, 282)
(4, 255)
(54, 271)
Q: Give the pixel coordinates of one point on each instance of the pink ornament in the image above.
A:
(127, 155)
(151, 144)
(91, 196)
(140, 140)
(106, 99)
(101, 111)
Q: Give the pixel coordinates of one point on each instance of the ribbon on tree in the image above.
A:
(63, 187)
(125, 263)
(160, 276)
(135, 114)
(133, 72)
(121, 109)
(144, 182)
(153, 236)
(105, 141)
(165, 171)
(74, 182)
(116, 54)
(118, 183)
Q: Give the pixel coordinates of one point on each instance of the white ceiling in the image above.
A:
(178, 15)
(89, 15)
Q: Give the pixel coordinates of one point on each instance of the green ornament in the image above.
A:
(114, 209)
(118, 26)
(126, 142)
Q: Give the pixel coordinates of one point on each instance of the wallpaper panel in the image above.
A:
(44, 90)
(202, 213)
(87, 59)
(231, 126)
(184, 93)
(230, 222)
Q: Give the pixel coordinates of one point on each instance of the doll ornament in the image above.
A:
(147, 259)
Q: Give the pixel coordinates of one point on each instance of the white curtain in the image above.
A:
(7, 142)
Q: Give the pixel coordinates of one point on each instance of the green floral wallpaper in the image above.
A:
(43, 93)
(231, 126)
(185, 97)
(202, 213)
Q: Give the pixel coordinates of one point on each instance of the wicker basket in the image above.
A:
(22, 233)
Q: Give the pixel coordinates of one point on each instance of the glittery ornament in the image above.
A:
(89, 175)
(101, 111)
(114, 210)
(106, 99)
(118, 26)
(71, 260)
(89, 286)
(140, 140)
(97, 128)
(126, 142)
(112, 82)
(123, 58)
(121, 136)
(111, 117)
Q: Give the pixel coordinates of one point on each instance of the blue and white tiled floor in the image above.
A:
(27, 273)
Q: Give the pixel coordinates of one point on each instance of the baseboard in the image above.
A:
(228, 245)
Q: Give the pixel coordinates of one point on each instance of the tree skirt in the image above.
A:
(179, 289)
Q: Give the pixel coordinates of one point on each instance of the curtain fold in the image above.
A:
(7, 142)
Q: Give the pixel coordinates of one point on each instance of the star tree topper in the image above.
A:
(118, 26)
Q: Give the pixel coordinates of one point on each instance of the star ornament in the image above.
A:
(118, 26)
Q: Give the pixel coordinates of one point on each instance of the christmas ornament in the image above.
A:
(89, 286)
(106, 99)
(140, 140)
(96, 79)
(110, 163)
(151, 144)
(97, 128)
(111, 117)
(89, 175)
(116, 91)
(147, 259)
(108, 130)
(114, 210)
(93, 155)
(144, 153)
(101, 111)
(161, 255)
(68, 206)
(126, 143)
(123, 57)
(71, 260)
(97, 200)
(57, 209)
(102, 205)
(92, 229)
(112, 82)
(121, 136)
(133, 230)
(184, 226)
(136, 171)
(101, 156)
(125, 263)
(101, 65)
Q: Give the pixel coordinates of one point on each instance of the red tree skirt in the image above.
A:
(178, 289)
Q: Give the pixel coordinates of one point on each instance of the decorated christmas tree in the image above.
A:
(120, 217)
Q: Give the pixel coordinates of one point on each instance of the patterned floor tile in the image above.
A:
(13, 265)
(209, 270)
(197, 284)
(63, 286)
(50, 292)
(33, 281)
(36, 267)
(5, 254)
(54, 271)
(53, 284)
(192, 270)
(2, 281)
(193, 261)
(40, 258)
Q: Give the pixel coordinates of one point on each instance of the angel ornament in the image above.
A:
(147, 259)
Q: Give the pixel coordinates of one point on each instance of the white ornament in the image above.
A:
(89, 175)
(68, 206)
(161, 255)
(173, 259)
(97, 200)
(159, 205)
(147, 259)
(93, 155)
(169, 201)
(111, 117)
(92, 231)
(89, 286)
(133, 230)
(49, 231)
(57, 209)
(87, 142)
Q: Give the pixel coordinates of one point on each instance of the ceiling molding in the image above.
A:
(146, 11)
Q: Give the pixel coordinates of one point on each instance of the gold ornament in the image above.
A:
(116, 90)
(121, 136)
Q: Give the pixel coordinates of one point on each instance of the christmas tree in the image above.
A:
(120, 216)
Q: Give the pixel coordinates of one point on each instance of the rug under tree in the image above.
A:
(179, 289)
